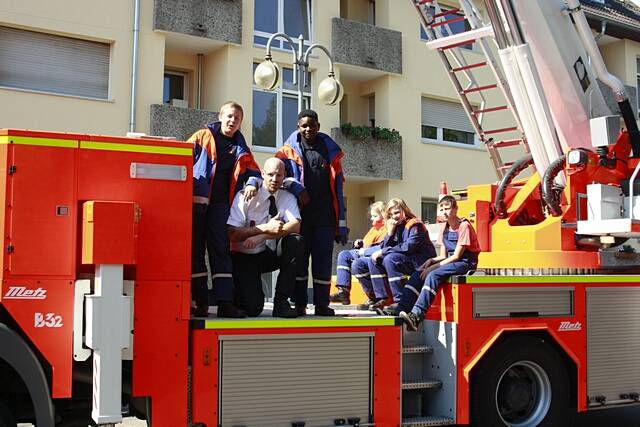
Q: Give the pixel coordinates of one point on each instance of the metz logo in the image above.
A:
(21, 292)
(570, 326)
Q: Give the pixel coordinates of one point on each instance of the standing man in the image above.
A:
(264, 237)
(222, 164)
(314, 160)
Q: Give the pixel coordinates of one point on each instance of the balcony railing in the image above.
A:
(370, 158)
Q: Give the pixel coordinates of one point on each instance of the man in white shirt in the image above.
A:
(264, 237)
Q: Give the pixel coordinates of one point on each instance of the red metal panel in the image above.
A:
(44, 310)
(387, 374)
(164, 246)
(42, 211)
(160, 350)
(204, 377)
(109, 232)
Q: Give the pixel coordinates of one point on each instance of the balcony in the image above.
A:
(363, 45)
(167, 120)
(371, 159)
(218, 20)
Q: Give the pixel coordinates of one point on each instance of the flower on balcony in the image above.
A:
(364, 133)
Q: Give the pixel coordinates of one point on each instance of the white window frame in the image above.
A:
(185, 83)
(281, 93)
(277, 44)
(440, 141)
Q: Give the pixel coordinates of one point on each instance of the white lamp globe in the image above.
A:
(330, 91)
(267, 75)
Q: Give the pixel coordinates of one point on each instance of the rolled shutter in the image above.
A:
(50, 63)
(445, 114)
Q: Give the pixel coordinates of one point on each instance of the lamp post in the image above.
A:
(268, 75)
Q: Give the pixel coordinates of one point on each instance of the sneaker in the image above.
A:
(324, 311)
(301, 310)
(411, 320)
(283, 309)
(390, 310)
(365, 305)
(227, 309)
(200, 311)
(341, 296)
(379, 304)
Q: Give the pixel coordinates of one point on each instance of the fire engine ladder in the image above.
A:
(436, 23)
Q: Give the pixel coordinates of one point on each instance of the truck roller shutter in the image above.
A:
(613, 343)
(49, 63)
(263, 382)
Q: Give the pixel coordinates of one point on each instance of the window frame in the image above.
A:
(432, 200)
(637, 87)
(439, 139)
(472, 46)
(278, 44)
(280, 92)
(185, 84)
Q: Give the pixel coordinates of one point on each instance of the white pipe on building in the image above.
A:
(134, 64)
(200, 57)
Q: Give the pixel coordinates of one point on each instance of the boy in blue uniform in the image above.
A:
(458, 255)
(313, 159)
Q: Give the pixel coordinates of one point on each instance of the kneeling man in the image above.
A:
(264, 237)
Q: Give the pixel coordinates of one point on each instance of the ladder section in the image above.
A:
(449, 45)
(425, 401)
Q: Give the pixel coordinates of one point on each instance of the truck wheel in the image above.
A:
(522, 383)
(6, 418)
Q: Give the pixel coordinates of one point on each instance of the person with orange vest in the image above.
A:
(405, 248)
(361, 248)
(313, 159)
(222, 165)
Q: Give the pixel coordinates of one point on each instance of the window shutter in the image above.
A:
(445, 114)
(46, 62)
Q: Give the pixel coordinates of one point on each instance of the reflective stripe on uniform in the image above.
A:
(322, 282)
(343, 267)
(362, 275)
(378, 276)
(194, 275)
(220, 275)
(395, 279)
(302, 278)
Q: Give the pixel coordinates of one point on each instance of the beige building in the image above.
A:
(67, 66)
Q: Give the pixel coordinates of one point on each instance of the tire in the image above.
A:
(522, 382)
(6, 417)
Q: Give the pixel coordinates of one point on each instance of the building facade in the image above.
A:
(67, 66)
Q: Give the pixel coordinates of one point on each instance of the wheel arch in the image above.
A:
(19, 356)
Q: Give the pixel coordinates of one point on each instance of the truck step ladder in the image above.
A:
(436, 22)
(426, 421)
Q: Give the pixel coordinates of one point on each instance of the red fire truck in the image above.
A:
(94, 296)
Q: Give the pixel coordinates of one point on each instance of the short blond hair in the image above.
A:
(397, 203)
(232, 104)
(377, 207)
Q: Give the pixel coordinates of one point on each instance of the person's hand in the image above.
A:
(304, 198)
(358, 243)
(376, 255)
(391, 226)
(361, 252)
(249, 193)
(253, 241)
(427, 270)
(274, 226)
(341, 239)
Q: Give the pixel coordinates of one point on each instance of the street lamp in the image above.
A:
(268, 75)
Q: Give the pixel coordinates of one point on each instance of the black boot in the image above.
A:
(281, 308)
(324, 310)
(341, 296)
(200, 311)
(227, 309)
(301, 309)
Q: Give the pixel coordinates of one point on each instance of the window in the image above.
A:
(446, 122)
(275, 112)
(372, 111)
(638, 84)
(429, 211)
(454, 27)
(292, 17)
(44, 62)
(175, 87)
(372, 13)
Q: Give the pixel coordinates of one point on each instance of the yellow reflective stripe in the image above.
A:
(345, 322)
(553, 279)
(134, 148)
(43, 142)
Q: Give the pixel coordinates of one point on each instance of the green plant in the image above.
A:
(366, 132)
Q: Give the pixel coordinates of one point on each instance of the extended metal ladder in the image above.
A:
(436, 22)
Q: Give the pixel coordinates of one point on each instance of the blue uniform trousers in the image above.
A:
(360, 269)
(390, 273)
(345, 265)
(433, 281)
(318, 243)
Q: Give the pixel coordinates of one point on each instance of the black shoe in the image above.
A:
(390, 310)
(411, 320)
(227, 309)
(365, 305)
(283, 309)
(301, 310)
(324, 310)
(200, 311)
(379, 304)
(341, 296)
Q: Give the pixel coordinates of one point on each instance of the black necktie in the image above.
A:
(273, 209)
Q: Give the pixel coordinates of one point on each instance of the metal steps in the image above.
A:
(426, 421)
(424, 349)
(421, 384)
